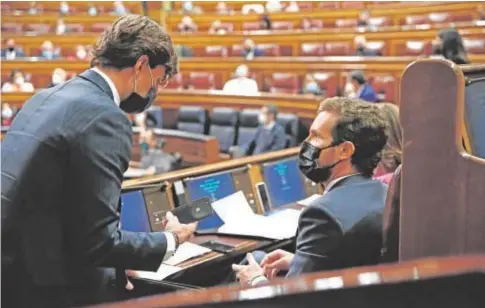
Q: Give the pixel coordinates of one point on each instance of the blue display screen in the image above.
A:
(215, 187)
(134, 215)
(284, 182)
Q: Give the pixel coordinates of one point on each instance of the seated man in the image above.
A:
(241, 84)
(251, 50)
(343, 227)
(269, 137)
(361, 88)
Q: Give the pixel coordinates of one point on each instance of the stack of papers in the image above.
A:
(185, 252)
(239, 219)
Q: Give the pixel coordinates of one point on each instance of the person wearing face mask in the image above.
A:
(343, 227)
(250, 50)
(48, 52)
(7, 114)
(11, 51)
(17, 83)
(64, 8)
(92, 10)
(81, 52)
(361, 50)
(311, 86)
(58, 76)
(63, 161)
(241, 84)
(270, 135)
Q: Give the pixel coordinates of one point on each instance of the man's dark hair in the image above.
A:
(362, 124)
(272, 109)
(358, 76)
(452, 46)
(131, 37)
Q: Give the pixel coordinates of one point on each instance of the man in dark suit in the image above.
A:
(270, 135)
(343, 227)
(363, 90)
(63, 160)
(11, 51)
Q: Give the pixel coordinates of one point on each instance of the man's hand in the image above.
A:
(246, 273)
(276, 261)
(183, 232)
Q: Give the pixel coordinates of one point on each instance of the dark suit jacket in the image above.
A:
(342, 228)
(63, 161)
(266, 140)
(18, 53)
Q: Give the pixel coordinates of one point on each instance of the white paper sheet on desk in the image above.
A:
(309, 200)
(232, 207)
(239, 219)
(135, 172)
(163, 272)
(185, 252)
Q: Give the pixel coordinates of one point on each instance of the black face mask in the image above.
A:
(11, 49)
(308, 158)
(135, 103)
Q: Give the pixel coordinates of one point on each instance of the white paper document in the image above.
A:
(135, 172)
(163, 272)
(185, 252)
(239, 219)
(309, 200)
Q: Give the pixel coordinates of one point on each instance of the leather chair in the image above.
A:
(223, 126)
(251, 26)
(282, 25)
(248, 125)
(377, 46)
(346, 23)
(416, 20)
(316, 23)
(193, 119)
(176, 82)
(414, 48)
(75, 28)
(474, 117)
(236, 50)
(312, 49)
(384, 86)
(474, 46)
(270, 50)
(11, 27)
(38, 28)
(284, 83)
(202, 81)
(290, 124)
(327, 82)
(99, 27)
(215, 51)
(337, 49)
(157, 114)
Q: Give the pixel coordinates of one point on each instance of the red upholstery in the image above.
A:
(337, 49)
(282, 25)
(284, 83)
(38, 28)
(384, 86)
(380, 21)
(329, 4)
(312, 49)
(351, 4)
(475, 46)
(270, 50)
(215, 51)
(328, 83)
(416, 20)
(100, 27)
(413, 48)
(76, 28)
(251, 26)
(229, 27)
(437, 18)
(11, 27)
(346, 23)
(317, 23)
(176, 82)
(236, 50)
(460, 16)
(305, 5)
(377, 46)
(201, 81)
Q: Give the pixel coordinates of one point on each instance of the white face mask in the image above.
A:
(81, 54)
(262, 118)
(19, 80)
(57, 79)
(7, 112)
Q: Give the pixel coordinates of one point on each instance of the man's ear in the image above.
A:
(141, 63)
(347, 149)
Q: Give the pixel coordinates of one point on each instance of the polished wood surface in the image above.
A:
(409, 271)
(78, 6)
(442, 189)
(290, 41)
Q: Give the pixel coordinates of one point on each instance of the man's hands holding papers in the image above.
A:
(183, 232)
(276, 261)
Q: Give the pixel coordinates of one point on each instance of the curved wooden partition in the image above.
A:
(312, 290)
(443, 187)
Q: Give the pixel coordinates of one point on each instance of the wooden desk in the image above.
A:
(78, 6)
(290, 41)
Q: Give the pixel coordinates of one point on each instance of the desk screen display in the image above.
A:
(215, 187)
(134, 215)
(284, 182)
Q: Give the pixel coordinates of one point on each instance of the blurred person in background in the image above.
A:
(48, 52)
(17, 83)
(81, 52)
(187, 25)
(392, 153)
(292, 7)
(250, 50)
(305, 24)
(119, 9)
(449, 45)
(223, 9)
(61, 27)
(64, 8)
(7, 114)
(273, 6)
(311, 86)
(12, 51)
(58, 76)
(361, 50)
(216, 28)
(361, 88)
(92, 10)
(265, 22)
(33, 9)
(241, 84)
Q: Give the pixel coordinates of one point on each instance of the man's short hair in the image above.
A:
(272, 109)
(131, 37)
(358, 76)
(362, 124)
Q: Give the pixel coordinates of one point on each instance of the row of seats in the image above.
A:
(230, 126)
(45, 28)
(289, 83)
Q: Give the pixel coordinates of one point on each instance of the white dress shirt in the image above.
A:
(170, 237)
(241, 86)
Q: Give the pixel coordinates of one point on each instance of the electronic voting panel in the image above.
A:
(217, 186)
(143, 210)
(284, 182)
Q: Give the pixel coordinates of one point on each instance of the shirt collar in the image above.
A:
(270, 125)
(335, 181)
(116, 95)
